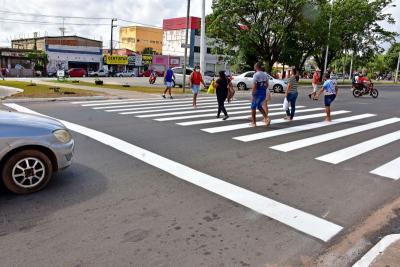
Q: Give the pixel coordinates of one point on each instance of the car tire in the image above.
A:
(241, 86)
(277, 88)
(14, 178)
(120, 76)
(133, 75)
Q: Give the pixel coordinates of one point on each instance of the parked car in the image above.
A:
(32, 148)
(99, 73)
(125, 74)
(77, 72)
(244, 81)
(178, 71)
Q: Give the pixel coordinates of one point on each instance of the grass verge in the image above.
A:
(142, 89)
(45, 91)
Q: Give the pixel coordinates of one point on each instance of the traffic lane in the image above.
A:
(111, 205)
(193, 148)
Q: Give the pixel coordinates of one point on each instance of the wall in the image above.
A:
(137, 38)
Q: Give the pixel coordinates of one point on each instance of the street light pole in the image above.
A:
(397, 70)
(112, 31)
(203, 47)
(186, 45)
(329, 37)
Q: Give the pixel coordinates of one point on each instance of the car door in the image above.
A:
(248, 79)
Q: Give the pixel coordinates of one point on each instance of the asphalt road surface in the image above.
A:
(156, 183)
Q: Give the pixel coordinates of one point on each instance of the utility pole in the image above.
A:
(329, 37)
(186, 45)
(351, 67)
(397, 71)
(112, 31)
(203, 46)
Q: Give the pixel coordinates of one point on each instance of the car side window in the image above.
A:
(188, 72)
(249, 75)
(178, 71)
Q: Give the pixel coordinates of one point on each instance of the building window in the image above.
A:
(197, 49)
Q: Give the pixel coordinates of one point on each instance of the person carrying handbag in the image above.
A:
(291, 95)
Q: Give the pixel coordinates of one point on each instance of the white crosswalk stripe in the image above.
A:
(147, 101)
(195, 111)
(359, 149)
(295, 129)
(202, 105)
(331, 136)
(111, 100)
(166, 104)
(389, 170)
(242, 105)
(247, 125)
(199, 122)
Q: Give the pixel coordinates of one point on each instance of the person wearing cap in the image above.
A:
(195, 80)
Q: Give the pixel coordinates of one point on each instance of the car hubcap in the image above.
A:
(28, 172)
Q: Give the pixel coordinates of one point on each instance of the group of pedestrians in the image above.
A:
(260, 94)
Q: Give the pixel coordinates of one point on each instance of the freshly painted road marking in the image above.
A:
(148, 101)
(389, 170)
(295, 218)
(300, 128)
(160, 105)
(199, 122)
(111, 100)
(290, 146)
(195, 111)
(377, 250)
(359, 149)
(189, 106)
(259, 124)
(213, 115)
(156, 109)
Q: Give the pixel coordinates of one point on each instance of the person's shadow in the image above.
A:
(74, 185)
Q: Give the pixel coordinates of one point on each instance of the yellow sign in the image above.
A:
(116, 60)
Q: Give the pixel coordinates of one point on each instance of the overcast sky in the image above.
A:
(150, 12)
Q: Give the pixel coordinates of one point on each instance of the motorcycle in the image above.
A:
(152, 79)
(360, 90)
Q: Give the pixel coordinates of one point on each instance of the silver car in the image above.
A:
(178, 71)
(244, 81)
(125, 74)
(31, 149)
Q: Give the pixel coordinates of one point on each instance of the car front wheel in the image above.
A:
(278, 88)
(242, 86)
(27, 171)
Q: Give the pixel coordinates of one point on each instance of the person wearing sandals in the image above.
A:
(291, 94)
(330, 90)
(222, 86)
(259, 94)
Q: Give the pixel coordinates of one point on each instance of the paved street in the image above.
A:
(156, 183)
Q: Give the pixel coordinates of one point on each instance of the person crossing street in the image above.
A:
(259, 95)
(330, 90)
(222, 84)
(195, 80)
(169, 78)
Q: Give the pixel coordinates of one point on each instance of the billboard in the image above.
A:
(115, 60)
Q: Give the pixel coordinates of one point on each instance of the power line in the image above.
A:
(48, 16)
(5, 20)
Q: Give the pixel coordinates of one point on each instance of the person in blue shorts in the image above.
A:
(169, 78)
(259, 94)
(330, 89)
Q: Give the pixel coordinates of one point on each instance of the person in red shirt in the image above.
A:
(362, 79)
(195, 80)
(315, 82)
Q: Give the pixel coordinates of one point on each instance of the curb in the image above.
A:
(377, 250)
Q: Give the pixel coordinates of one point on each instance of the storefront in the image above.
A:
(15, 62)
(116, 63)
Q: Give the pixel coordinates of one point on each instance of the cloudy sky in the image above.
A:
(150, 12)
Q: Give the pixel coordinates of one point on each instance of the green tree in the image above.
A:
(392, 56)
(256, 27)
(148, 51)
(39, 58)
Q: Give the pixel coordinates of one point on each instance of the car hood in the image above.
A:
(23, 120)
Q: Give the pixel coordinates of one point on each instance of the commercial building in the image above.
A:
(174, 43)
(16, 62)
(137, 38)
(65, 52)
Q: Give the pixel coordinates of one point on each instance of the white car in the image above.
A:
(99, 73)
(244, 81)
(125, 74)
(178, 71)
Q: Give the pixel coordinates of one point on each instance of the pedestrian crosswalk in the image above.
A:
(180, 112)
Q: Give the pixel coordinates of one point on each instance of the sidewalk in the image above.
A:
(389, 257)
(8, 91)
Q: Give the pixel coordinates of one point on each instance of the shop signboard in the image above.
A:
(116, 60)
(174, 61)
(135, 60)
